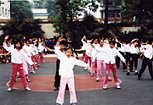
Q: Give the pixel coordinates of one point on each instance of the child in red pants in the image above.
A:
(18, 56)
(112, 52)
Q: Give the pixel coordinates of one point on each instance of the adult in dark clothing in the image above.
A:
(147, 60)
(57, 76)
(64, 44)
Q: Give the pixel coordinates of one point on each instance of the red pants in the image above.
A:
(87, 59)
(17, 68)
(107, 72)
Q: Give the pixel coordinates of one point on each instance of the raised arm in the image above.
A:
(5, 45)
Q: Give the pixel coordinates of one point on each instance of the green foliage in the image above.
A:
(20, 10)
(69, 10)
(29, 29)
(40, 3)
(142, 11)
(52, 8)
(21, 21)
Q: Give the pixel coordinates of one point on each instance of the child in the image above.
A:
(135, 50)
(110, 63)
(100, 56)
(147, 60)
(41, 48)
(27, 50)
(86, 50)
(93, 66)
(67, 75)
(17, 58)
(63, 44)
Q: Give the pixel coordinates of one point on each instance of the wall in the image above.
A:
(49, 30)
(4, 9)
(130, 29)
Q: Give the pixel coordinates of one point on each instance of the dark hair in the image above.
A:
(94, 38)
(113, 42)
(63, 42)
(150, 41)
(16, 41)
(69, 48)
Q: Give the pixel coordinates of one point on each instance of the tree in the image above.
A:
(20, 10)
(141, 12)
(40, 3)
(69, 11)
(50, 5)
(21, 21)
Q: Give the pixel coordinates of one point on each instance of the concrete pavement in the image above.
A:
(132, 92)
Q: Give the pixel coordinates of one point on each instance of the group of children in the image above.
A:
(98, 55)
(4, 56)
(107, 53)
(101, 54)
(25, 59)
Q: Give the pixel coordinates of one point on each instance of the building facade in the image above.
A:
(114, 8)
(40, 13)
(4, 10)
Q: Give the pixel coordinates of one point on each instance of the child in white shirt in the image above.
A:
(67, 63)
(112, 52)
(18, 57)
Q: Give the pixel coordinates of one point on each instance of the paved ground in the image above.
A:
(133, 92)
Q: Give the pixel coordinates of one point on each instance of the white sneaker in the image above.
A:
(118, 87)
(27, 78)
(97, 79)
(105, 87)
(27, 89)
(32, 72)
(85, 68)
(91, 75)
(9, 89)
(109, 79)
(8, 84)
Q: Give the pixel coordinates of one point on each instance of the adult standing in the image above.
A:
(147, 60)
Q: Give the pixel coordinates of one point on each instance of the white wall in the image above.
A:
(49, 30)
(130, 29)
(5, 9)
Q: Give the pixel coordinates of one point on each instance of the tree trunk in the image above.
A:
(106, 18)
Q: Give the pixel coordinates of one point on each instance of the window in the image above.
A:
(0, 11)
(3, 11)
(6, 12)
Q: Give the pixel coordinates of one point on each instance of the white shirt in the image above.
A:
(93, 52)
(121, 49)
(18, 57)
(134, 50)
(127, 48)
(27, 50)
(148, 53)
(84, 44)
(111, 53)
(41, 48)
(67, 64)
(101, 53)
